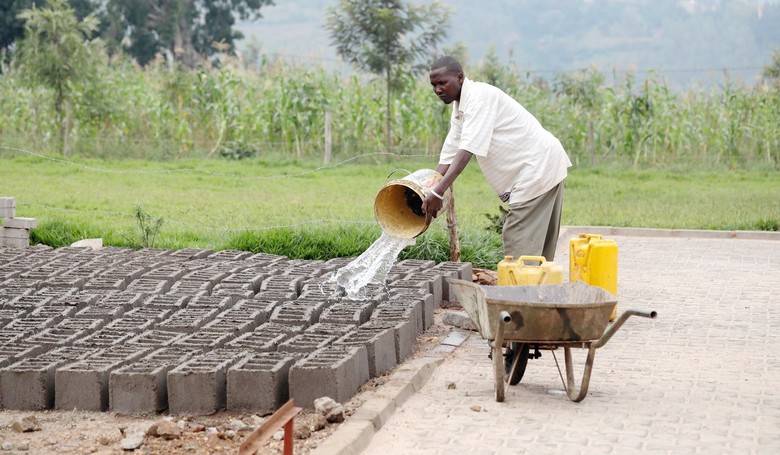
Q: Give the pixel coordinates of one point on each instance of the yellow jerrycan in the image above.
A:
(594, 260)
(518, 273)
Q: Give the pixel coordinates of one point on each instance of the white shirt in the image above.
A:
(512, 148)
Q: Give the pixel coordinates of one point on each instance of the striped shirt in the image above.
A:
(516, 154)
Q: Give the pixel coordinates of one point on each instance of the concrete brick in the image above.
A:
(12, 353)
(282, 283)
(435, 284)
(65, 281)
(426, 304)
(155, 338)
(109, 312)
(187, 320)
(190, 287)
(149, 313)
(231, 326)
(335, 371)
(204, 340)
(218, 303)
(7, 202)
(57, 336)
(230, 255)
(84, 384)
(244, 312)
(83, 323)
(9, 233)
(169, 273)
(294, 314)
(167, 301)
(191, 253)
(149, 286)
(127, 300)
(404, 331)
(29, 383)
(199, 386)
(250, 278)
(141, 386)
(380, 347)
(130, 325)
(399, 310)
(329, 328)
(344, 313)
(306, 342)
(276, 295)
(113, 282)
(259, 383)
(105, 337)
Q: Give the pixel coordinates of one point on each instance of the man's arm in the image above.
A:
(432, 204)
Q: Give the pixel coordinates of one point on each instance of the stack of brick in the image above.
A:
(15, 232)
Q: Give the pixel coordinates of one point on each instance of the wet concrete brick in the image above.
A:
(155, 338)
(404, 332)
(345, 313)
(380, 347)
(401, 310)
(167, 301)
(187, 320)
(259, 383)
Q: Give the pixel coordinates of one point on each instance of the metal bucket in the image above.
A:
(398, 204)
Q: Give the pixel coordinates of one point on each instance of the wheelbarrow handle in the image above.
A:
(616, 326)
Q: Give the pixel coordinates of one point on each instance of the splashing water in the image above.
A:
(370, 267)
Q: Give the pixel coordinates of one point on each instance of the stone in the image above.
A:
(132, 440)
(330, 409)
(476, 408)
(459, 319)
(7, 446)
(26, 425)
(238, 426)
(301, 432)
(23, 446)
(451, 386)
(164, 429)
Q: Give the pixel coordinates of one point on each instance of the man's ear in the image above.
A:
(461, 77)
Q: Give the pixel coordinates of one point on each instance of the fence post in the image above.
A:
(328, 154)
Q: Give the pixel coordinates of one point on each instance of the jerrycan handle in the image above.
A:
(591, 236)
(539, 259)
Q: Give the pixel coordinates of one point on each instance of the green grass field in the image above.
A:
(302, 211)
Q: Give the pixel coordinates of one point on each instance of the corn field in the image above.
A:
(277, 110)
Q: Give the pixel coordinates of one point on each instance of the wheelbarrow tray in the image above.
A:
(568, 312)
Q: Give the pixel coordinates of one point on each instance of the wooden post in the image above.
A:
(328, 155)
(452, 226)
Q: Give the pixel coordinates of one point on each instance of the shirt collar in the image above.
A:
(464, 89)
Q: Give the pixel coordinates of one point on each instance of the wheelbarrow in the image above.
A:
(571, 315)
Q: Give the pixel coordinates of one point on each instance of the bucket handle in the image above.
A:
(394, 171)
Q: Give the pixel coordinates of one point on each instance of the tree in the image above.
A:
(185, 28)
(56, 52)
(771, 72)
(387, 38)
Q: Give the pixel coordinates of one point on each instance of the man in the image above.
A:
(524, 163)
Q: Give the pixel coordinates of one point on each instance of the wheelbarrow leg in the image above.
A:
(571, 389)
(498, 356)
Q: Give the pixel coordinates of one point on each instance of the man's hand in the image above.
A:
(431, 206)
(504, 196)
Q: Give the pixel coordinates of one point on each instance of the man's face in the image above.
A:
(446, 84)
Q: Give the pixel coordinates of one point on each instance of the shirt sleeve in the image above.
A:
(450, 147)
(479, 120)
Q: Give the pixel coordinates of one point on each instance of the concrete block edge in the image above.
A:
(670, 233)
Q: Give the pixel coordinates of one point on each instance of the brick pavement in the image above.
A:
(702, 378)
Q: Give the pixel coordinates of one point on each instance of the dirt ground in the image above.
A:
(80, 432)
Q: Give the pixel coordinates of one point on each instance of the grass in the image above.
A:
(294, 209)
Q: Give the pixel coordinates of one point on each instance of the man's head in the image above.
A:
(447, 79)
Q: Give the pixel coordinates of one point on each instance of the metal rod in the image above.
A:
(571, 391)
(614, 327)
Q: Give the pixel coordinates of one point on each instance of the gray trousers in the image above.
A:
(531, 227)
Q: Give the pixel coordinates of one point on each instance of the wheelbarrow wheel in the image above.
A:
(515, 362)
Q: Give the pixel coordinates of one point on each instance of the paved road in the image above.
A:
(702, 378)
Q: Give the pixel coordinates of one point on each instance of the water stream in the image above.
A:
(370, 267)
